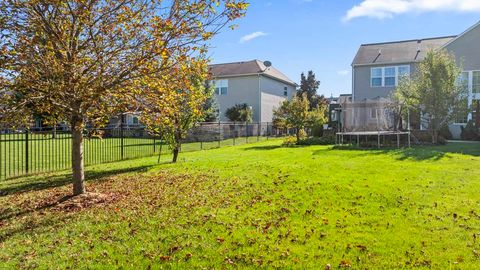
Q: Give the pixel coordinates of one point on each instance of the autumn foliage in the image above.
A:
(82, 61)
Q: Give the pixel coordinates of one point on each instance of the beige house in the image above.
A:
(261, 87)
(377, 68)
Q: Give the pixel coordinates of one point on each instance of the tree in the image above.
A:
(240, 113)
(210, 106)
(309, 86)
(435, 91)
(83, 60)
(296, 114)
(174, 106)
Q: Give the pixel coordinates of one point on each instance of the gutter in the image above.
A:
(256, 74)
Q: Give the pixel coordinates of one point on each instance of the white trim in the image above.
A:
(255, 74)
(461, 35)
(383, 76)
(353, 84)
(387, 64)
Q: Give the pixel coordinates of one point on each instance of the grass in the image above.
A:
(255, 206)
(46, 154)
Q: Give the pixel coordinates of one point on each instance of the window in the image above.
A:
(403, 73)
(373, 113)
(463, 79)
(388, 76)
(333, 116)
(476, 82)
(285, 91)
(135, 120)
(377, 74)
(221, 87)
(476, 111)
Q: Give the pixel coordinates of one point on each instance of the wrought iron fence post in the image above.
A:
(154, 144)
(121, 136)
(26, 151)
(246, 132)
(258, 131)
(219, 134)
(267, 132)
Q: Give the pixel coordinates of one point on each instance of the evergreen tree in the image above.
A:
(309, 86)
(210, 106)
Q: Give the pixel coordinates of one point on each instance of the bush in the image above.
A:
(303, 134)
(289, 141)
(317, 131)
(240, 113)
(425, 137)
(325, 140)
(470, 132)
(445, 133)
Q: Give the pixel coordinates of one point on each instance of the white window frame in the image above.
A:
(383, 77)
(219, 85)
(471, 81)
(376, 77)
(471, 95)
(395, 75)
(285, 91)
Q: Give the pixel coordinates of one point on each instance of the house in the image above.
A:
(334, 110)
(377, 68)
(256, 83)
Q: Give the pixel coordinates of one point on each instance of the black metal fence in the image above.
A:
(25, 152)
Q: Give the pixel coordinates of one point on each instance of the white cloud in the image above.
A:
(252, 36)
(382, 9)
(343, 72)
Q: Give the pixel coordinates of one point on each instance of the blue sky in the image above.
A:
(324, 35)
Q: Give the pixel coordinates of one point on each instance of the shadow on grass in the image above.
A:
(39, 182)
(263, 148)
(419, 153)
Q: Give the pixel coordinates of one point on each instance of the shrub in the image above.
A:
(470, 132)
(445, 133)
(302, 134)
(289, 141)
(240, 113)
(325, 140)
(425, 137)
(317, 130)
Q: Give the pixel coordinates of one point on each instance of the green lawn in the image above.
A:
(46, 154)
(255, 206)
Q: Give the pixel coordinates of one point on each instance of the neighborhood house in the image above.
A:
(377, 69)
(260, 86)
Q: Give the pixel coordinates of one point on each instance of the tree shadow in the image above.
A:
(36, 182)
(262, 148)
(30, 226)
(418, 153)
(33, 183)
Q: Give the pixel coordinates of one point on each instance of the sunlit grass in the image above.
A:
(257, 206)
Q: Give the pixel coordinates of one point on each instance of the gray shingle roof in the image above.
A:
(248, 68)
(398, 52)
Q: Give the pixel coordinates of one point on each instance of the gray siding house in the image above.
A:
(377, 68)
(263, 88)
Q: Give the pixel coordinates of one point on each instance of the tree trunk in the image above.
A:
(298, 135)
(175, 154)
(434, 136)
(54, 132)
(77, 160)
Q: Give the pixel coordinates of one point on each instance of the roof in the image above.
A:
(462, 34)
(406, 51)
(254, 67)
